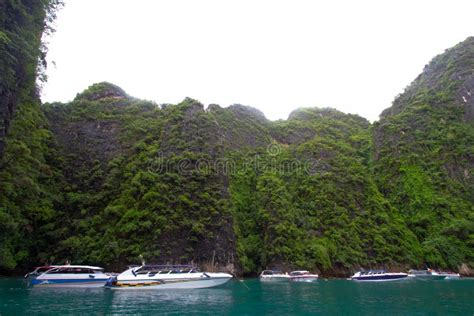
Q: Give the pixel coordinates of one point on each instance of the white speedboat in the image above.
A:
(450, 275)
(72, 276)
(378, 276)
(273, 275)
(166, 277)
(428, 274)
(303, 276)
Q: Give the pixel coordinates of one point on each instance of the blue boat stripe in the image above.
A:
(63, 281)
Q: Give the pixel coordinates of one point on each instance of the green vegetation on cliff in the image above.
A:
(108, 177)
(22, 55)
(322, 211)
(424, 157)
(27, 176)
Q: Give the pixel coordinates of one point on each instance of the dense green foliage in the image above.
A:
(22, 56)
(138, 202)
(184, 184)
(27, 185)
(107, 177)
(26, 188)
(425, 157)
(324, 211)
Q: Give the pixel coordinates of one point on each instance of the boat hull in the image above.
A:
(379, 279)
(451, 276)
(166, 285)
(274, 279)
(429, 277)
(304, 279)
(80, 283)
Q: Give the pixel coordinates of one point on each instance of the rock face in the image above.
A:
(219, 187)
(441, 98)
(89, 140)
(21, 28)
(297, 130)
(108, 177)
(423, 154)
(240, 127)
(447, 79)
(102, 91)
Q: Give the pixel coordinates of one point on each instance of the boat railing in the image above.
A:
(372, 272)
(164, 269)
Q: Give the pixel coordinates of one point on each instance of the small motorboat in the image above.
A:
(449, 275)
(378, 276)
(152, 276)
(427, 274)
(273, 275)
(303, 276)
(71, 276)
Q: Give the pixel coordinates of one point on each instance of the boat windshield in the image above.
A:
(271, 272)
(165, 269)
(42, 269)
(299, 273)
(372, 272)
(70, 270)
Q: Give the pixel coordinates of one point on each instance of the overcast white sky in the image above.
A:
(274, 55)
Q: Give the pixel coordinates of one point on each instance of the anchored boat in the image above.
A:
(273, 275)
(166, 277)
(71, 276)
(428, 274)
(378, 276)
(303, 276)
(450, 275)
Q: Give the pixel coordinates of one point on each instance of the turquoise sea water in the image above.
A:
(249, 297)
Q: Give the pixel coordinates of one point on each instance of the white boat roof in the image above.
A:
(79, 266)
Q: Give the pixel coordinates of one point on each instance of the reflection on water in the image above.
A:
(101, 300)
(122, 300)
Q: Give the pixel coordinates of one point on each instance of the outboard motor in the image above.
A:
(111, 281)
